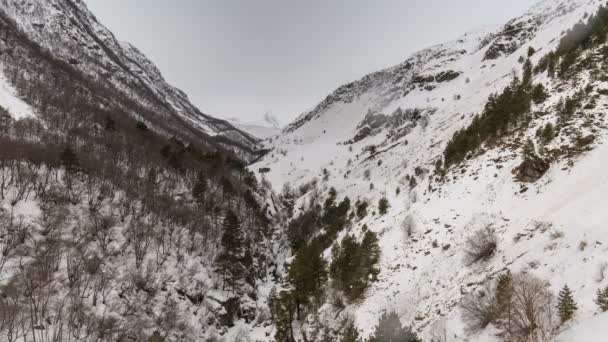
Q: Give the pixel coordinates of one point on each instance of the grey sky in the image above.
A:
(241, 58)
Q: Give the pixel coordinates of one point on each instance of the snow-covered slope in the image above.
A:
(266, 127)
(9, 100)
(374, 135)
(72, 34)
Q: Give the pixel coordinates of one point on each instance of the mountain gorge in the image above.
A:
(457, 196)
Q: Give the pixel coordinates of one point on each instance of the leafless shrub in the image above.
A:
(601, 272)
(479, 308)
(582, 245)
(556, 234)
(521, 306)
(481, 245)
(408, 226)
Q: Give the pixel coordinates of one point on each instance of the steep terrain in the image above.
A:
(73, 35)
(385, 136)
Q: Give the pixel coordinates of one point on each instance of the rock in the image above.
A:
(585, 141)
(531, 169)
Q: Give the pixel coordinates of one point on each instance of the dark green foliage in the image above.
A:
(361, 207)
(383, 206)
(389, 329)
(601, 299)
(142, 126)
(500, 113)
(354, 264)
(230, 259)
(539, 95)
(546, 133)
(583, 36)
(335, 217)
(308, 272)
(529, 150)
(531, 51)
(69, 160)
(200, 188)
(350, 334)
(566, 305)
(284, 310)
(302, 228)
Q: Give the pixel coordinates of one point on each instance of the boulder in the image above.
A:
(531, 169)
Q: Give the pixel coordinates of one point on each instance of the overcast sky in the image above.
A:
(242, 58)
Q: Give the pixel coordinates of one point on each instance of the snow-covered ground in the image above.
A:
(9, 100)
(553, 229)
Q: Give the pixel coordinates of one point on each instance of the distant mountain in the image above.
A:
(264, 128)
(72, 34)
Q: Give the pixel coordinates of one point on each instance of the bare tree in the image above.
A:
(481, 245)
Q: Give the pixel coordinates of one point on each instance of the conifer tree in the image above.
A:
(383, 206)
(566, 305)
(601, 299)
(389, 329)
(69, 160)
(371, 255)
(230, 259)
(350, 334)
(307, 273)
(199, 189)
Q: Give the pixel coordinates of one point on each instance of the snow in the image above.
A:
(541, 230)
(592, 330)
(9, 100)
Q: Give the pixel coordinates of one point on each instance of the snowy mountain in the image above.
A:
(267, 126)
(385, 136)
(73, 35)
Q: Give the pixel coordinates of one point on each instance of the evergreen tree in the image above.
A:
(307, 273)
(350, 334)
(371, 255)
(601, 299)
(389, 329)
(199, 189)
(361, 207)
(230, 259)
(527, 74)
(529, 150)
(539, 94)
(69, 160)
(566, 305)
(284, 309)
(383, 206)
(547, 133)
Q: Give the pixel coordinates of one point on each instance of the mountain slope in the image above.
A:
(385, 136)
(72, 34)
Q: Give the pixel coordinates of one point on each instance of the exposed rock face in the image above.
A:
(531, 169)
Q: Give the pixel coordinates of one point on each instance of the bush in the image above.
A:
(389, 329)
(383, 206)
(520, 306)
(481, 245)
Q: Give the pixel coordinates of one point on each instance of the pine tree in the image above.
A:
(389, 329)
(69, 160)
(230, 259)
(383, 206)
(371, 255)
(529, 151)
(601, 299)
(566, 305)
(284, 312)
(307, 273)
(350, 334)
(199, 189)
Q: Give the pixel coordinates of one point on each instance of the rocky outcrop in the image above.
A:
(531, 169)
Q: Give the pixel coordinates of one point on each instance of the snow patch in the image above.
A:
(9, 100)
